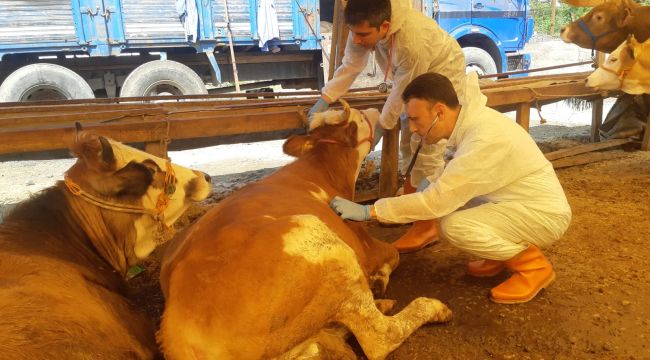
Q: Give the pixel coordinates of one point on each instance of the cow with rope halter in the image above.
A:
(64, 253)
(626, 69)
(271, 272)
(608, 24)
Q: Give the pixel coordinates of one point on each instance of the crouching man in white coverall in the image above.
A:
(407, 43)
(498, 198)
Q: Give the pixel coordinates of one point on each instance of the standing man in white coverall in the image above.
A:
(403, 49)
(498, 198)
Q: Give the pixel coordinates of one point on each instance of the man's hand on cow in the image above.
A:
(320, 106)
(350, 210)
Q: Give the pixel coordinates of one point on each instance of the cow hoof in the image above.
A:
(437, 311)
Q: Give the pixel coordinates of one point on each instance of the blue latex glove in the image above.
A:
(350, 210)
(423, 185)
(320, 106)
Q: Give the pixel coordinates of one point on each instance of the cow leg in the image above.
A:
(382, 261)
(331, 342)
(328, 343)
(378, 334)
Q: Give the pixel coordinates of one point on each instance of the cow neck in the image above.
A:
(106, 244)
(336, 167)
(48, 227)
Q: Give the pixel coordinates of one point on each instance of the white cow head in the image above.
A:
(626, 69)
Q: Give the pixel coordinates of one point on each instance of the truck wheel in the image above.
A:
(477, 59)
(44, 82)
(162, 77)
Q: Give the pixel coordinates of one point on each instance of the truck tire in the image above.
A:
(44, 82)
(162, 77)
(477, 59)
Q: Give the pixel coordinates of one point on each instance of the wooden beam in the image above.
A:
(587, 158)
(581, 149)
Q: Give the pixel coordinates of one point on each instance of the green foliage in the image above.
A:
(564, 14)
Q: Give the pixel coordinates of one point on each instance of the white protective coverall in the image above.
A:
(419, 46)
(498, 193)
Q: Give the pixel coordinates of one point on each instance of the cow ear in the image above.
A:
(625, 15)
(296, 144)
(95, 151)
(629, 49)
(351, 134)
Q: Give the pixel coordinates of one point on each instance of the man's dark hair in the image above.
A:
(375, 12)
(432, 87)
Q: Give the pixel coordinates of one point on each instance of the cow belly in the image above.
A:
(261, 299)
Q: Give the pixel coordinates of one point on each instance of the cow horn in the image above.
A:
(346, 110)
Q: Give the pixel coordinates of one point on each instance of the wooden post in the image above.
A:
(645, 144)
(596, 119)
(157, 148)
(389, 163)
(553, 6)
(523, 115)
(597, 106)
(336, 29)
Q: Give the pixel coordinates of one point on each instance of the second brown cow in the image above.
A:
(273, 272)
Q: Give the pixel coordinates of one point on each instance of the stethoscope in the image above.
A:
(417, 151)
(383, 87)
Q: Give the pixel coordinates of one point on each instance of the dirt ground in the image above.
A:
(598, 308)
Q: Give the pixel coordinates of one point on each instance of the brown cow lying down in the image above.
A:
(627, 69)
(608, 25)
(64, 254)
(273, 272)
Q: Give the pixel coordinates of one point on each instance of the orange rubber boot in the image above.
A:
(485, 268)
(532, 273)
(421, 234)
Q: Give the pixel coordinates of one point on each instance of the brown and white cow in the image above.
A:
(626, 69)
(273, 272)
(608, 24)
(64, 254)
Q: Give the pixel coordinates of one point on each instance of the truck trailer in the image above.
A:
(74, 49)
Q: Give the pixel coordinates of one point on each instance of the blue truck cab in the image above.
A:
(492, 33)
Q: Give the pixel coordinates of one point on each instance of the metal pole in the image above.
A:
(232, 48)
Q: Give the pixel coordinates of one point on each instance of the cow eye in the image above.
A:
(599, 18)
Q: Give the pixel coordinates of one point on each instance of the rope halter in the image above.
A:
(157, 213)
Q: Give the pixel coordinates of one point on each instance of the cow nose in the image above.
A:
(562, 30)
